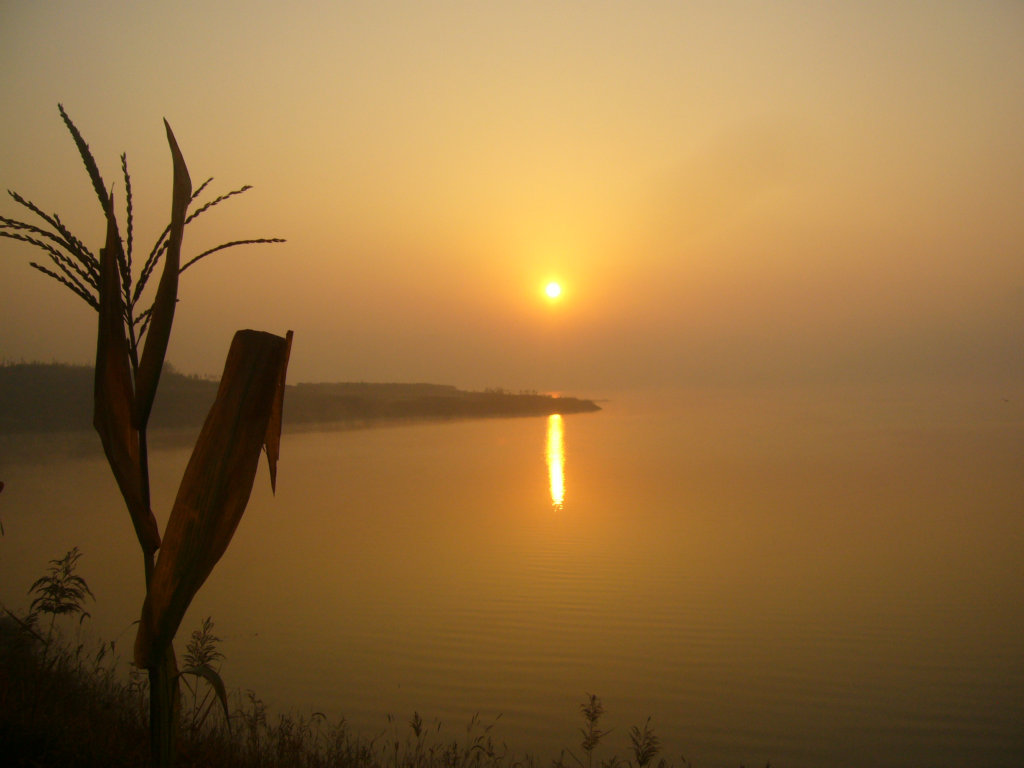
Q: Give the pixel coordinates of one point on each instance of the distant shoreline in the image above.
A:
(53, 399)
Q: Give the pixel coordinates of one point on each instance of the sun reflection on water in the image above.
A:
(556, 460)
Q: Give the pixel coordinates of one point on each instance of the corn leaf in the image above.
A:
(162, 316)
(112, 393)
(272, 440)
(216, 486)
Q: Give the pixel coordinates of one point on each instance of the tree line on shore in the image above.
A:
(55, 397)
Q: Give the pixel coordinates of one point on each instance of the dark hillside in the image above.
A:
(37, 397)
(312, 403)
(45, 398)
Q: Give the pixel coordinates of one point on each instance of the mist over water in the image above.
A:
(804, 577)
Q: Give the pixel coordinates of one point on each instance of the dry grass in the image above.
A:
(63, 703)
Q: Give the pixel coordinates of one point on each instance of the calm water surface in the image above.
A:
(812, 580)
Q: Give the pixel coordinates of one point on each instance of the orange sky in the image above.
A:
(728, 191)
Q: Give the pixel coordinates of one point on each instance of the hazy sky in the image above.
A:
(728, 191)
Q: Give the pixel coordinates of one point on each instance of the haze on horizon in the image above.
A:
(727, 192)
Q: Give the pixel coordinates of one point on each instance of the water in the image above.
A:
(812, 580)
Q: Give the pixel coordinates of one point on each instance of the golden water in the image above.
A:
(812, 580)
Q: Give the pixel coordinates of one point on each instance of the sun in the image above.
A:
(553, 290)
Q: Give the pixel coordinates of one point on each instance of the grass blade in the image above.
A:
(210, 675)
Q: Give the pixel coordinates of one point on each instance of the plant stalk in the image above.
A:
(164, 707)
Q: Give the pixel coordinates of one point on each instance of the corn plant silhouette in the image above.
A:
(131, 344)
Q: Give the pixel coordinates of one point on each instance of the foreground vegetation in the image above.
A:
(66, 702)
(132, 335)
